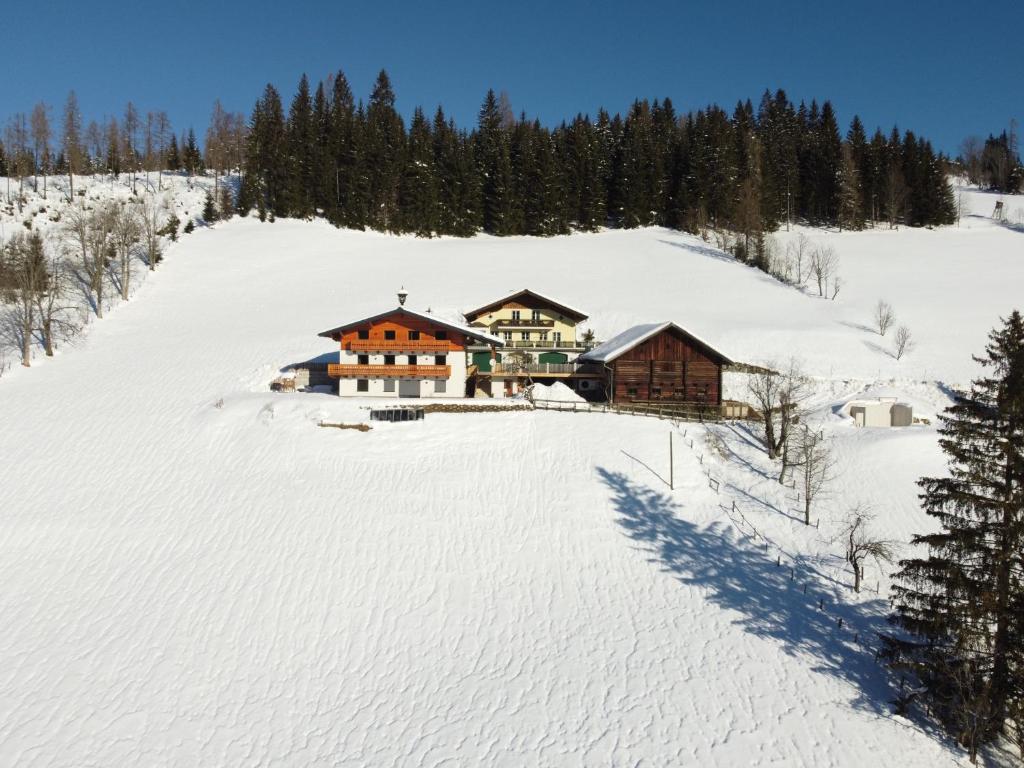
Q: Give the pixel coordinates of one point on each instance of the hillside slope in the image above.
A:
(194, 573)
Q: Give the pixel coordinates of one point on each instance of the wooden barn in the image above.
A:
(660, 362)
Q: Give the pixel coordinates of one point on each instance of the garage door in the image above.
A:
(408, 387)
(553, 357)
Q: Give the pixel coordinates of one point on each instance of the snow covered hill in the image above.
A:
(194, 573)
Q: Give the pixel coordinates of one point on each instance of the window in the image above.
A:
(557, 336)
(655, 392)
(526, 335)
(441, 335)
(364, 334)
(507, 335)
(389, 359)
(412, 359)
(515, 315)
(440, 359)
(362, 385)
(630, 391)
(440, 385)
(543, 335)
(535, 314)
(364, 359)
(389, 385)
(414, 335)
(389, 335)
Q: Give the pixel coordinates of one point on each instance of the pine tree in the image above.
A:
(209, 209)
(960, 604)
(173, 158)
(417, 195)
(495, 168)
(300, 144)
(850, 215)
(192, 158)
(385, 144)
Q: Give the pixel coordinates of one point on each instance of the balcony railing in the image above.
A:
(524, 322)
(391, 345)
(545, 344)
(341, 371)
(546, 369)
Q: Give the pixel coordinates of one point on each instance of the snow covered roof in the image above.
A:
(565, 309)
(475, 333)
(632, 337)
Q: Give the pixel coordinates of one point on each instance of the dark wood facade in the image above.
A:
(670, 366)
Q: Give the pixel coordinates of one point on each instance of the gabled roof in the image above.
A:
(621, 343)
(575, 314)
(475, 333)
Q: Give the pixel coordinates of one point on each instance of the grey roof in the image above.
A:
(621, 343)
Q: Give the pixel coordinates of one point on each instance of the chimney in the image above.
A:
(402, 295)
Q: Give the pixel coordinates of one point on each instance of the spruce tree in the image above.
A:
(959, 604)
(173, 158)
(384, 148)
(299, 160)
(418, 196)
(495, 168)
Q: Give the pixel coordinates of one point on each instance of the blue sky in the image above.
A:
(931, 66)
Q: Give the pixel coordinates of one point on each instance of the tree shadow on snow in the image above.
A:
(741, 577)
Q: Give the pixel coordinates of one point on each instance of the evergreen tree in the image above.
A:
(850, 215)
(301, 139)
(209, 208)
(960, 604)
(192, 158)
(385, 144)
(417, 195)
(173, 158)
(494, 162)
(3, 160)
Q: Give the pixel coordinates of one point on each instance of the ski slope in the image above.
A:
(195, 574)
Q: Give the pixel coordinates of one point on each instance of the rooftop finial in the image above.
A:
(402, 295)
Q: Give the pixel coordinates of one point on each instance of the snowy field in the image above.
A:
(194, 573)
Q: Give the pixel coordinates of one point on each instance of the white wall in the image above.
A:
(455, 385)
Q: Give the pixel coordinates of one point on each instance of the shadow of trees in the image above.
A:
(767, 600)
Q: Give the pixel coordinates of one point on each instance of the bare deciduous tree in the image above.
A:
(71, 139)
(778, 395)
(824, 265)
(902, 343)
(87, 236)
(55, 313)
(41, 141)
(124, 232)
(884, 317)
(26, 271)
(814, 465)
(863, 544)
(799, 251)
(151, 220)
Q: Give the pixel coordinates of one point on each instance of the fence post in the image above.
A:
(671, 464)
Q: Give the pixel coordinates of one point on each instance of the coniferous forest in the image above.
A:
(748, 171)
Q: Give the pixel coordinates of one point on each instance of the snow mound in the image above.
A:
(557, 393)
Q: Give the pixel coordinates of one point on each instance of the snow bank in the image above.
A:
(556, 392)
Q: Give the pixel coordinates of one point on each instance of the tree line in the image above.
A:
(748, 171)
(34, 146)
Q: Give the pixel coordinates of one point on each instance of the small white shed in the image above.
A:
(883, 410)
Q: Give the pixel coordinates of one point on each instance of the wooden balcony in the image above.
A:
(524, 322)
(340, 371)
(413, 346)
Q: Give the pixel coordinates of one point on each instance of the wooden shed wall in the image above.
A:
(668, 367)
